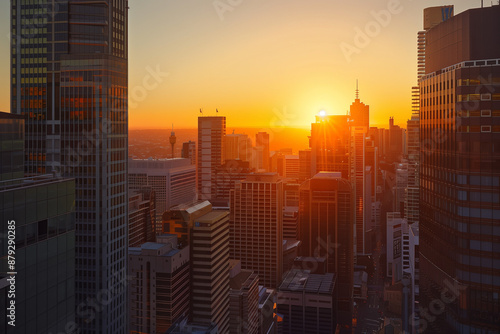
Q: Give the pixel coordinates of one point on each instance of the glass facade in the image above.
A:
(43, 211)
(459, 198)
(12, 146)
(70, 79)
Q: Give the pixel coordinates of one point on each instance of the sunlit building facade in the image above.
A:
(211, 148)
(210, 277)
(256, 229)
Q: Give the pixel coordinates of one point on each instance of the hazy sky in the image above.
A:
(264, 63)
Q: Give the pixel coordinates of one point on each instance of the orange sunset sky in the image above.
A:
(264, 63)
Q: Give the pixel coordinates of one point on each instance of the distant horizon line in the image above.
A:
(383, 126)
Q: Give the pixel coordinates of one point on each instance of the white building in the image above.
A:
(173, 180)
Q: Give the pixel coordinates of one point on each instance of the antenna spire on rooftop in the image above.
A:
(357, 90)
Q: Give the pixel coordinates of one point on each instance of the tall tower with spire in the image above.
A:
(359, 112)
(360, 177)
(172, 139)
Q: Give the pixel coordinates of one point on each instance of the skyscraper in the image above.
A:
(358, 178)
(160, 286)
(432, 17)
(237, 147)
(189, 151)
(173, 180)
(256, 229)
(211, 141)
(326, 225)
(209, 246)
(142, 217)
(37, 271)
(179, 219)
(262, 140)
(306, 302)
(226, 176)
(329, 144)
(70, 78)
(359, 113)
(413, 188)
(460, 174)
(244, 300)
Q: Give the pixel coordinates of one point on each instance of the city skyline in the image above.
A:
(321, 192)
(242, 68)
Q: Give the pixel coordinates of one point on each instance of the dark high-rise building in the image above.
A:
(413, 189)
(359, 113)
(460, 175)
(329, 142)
(37, 242)
(393, 142)
(306, 302)
(160, 286)
(225, 178)
(326, 225)
(211, 142)
(141, 217)
(70, 79)
(262, 140)
(12, 148)
(189, 151)
(244, 300)
(304, 165)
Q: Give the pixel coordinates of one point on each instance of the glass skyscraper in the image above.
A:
(37, 213)
(460, 175)
(70, 78)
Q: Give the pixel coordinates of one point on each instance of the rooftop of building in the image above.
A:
(262, 177)
(289, 244)
(237, 282)
(327, 175)
(264, 294)
(212, 216)
(290, 209)
(415, 229)
(166, 246)
(360, 277)
(184, 327)
(158, 166)
(327, 181)
(7, 115)
(32, 181)
(191, 207)
(298, 280)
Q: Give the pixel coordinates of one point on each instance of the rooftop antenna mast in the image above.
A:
(357, 90)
